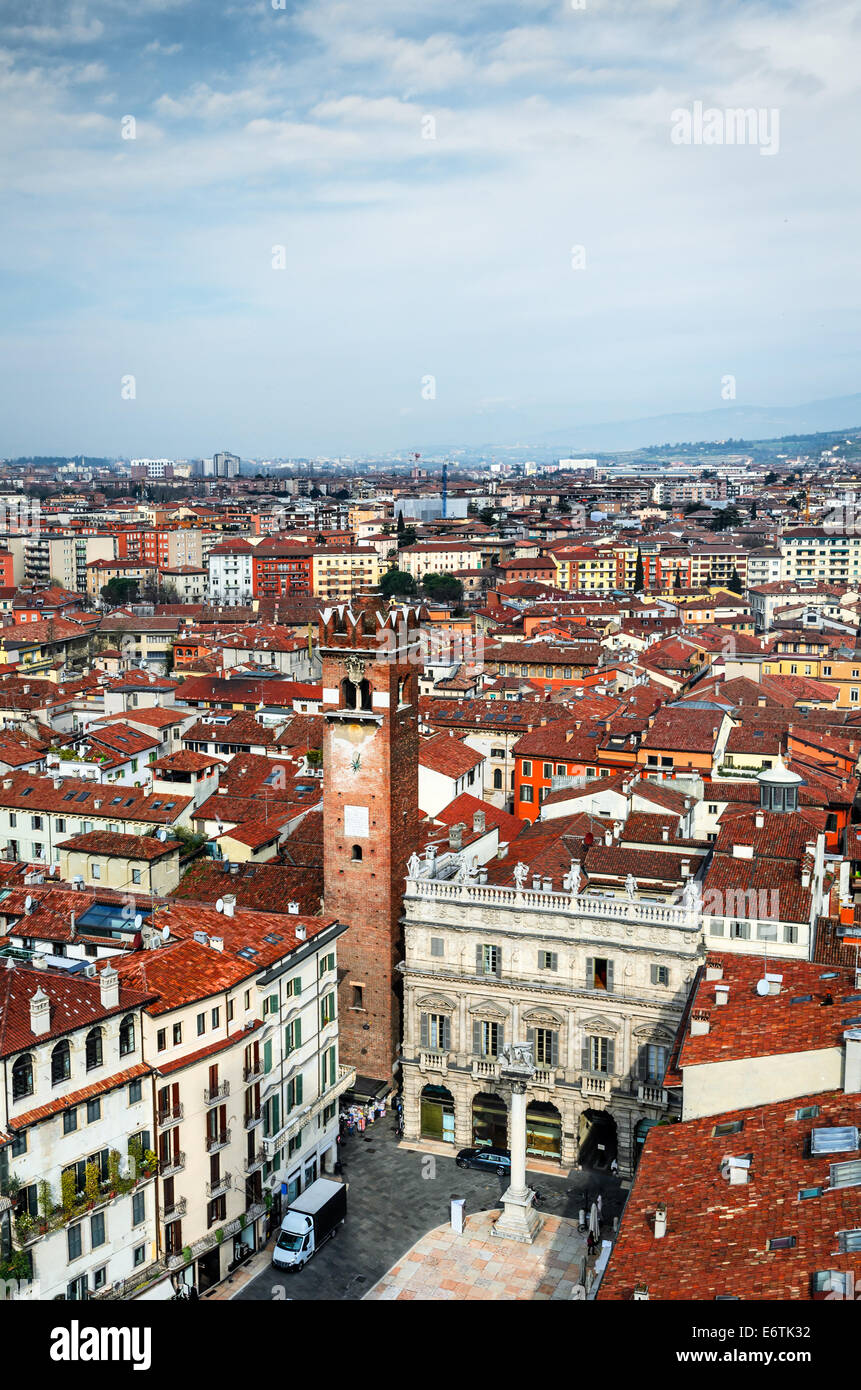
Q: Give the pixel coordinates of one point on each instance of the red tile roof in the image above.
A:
(448, 756)
(75, 1002)
(717, 1238)
(96, 1088)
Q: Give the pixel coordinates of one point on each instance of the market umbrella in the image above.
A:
(594, 1224)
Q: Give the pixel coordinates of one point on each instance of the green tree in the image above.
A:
(735, 585)
(119, 591)
(486, 516)
(443, 588)
(398, 582)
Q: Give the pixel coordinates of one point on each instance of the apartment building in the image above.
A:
(231, 574)
(340, 572)
(38, 814)
(242, 1036)
(76, 1120)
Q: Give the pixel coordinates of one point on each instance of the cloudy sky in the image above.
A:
(427, 169)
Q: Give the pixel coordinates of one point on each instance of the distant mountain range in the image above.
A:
(748, 422)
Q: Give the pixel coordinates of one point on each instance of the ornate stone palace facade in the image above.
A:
(597, 984)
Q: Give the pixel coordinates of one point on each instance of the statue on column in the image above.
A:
(519, 874)
(631, 887)
(413, 866)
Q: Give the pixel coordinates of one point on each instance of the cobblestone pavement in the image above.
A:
(396, 1196)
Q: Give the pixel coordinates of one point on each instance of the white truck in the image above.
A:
(311, 1219)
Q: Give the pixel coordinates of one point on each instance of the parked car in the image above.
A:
(498, 1160)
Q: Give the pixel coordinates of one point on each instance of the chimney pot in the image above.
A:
(700, 1022)
(109, 984)
(660, 1220)
(721, 994)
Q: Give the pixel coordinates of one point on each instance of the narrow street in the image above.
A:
(395, 1197)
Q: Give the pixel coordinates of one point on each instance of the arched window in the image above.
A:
(497, 779)
(22, 1077)
(61, 1063)
(127, 1035)
(356, 853)
(365, 693)
(94, 1048)
(348, 694)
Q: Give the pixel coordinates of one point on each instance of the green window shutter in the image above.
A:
(297, 1033)
(479, 961)
(643, 1060)
(554, 1049)
(585, 1059)
(590, 972)
(609, 975)
(530, 1038)
(297, 986)
(267, 1055)
(554, 961)
(424, 1030)
(276, 1114)
(446, 1033)
(476, 1037)
(299, 1080)
(611, 1057)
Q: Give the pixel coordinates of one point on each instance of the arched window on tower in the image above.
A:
(348, 694)
(365, 692)
(356, 853)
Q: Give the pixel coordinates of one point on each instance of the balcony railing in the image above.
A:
(172, 1116)
(175, 1209)
(214, 1142)
(623, 910)
(346, 1078)
(253, 1117)
(222, 1184)
(256, 1161)
(253, 1073)
(433, 1061)
(544, 1077)
(650, 1094)
(213, 1094)
(595, 1085)
(485, 1069)
(174, 1163)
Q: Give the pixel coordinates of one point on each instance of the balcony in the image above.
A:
(253, 1073)
(595, 1085)
(220, 1185)
(174, 1163)
(649, 1094)
(167, 1118)
(256, 1161)
(214, 1142)
(213, 1094)
(485, 1069)
(176, 1209)
(544, 1078)
(346, 1078)
(433, 1061)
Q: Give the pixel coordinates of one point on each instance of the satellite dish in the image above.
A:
(219, 906)
(138, 921)
(28, 903)
(763, 988)
(161, 835)
(165, 933)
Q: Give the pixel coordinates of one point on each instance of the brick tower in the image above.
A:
(370, 813)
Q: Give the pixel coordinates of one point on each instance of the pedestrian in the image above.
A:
(590, 1244)
(614, 1167)
(599, 1205)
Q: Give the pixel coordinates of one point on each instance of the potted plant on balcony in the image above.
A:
(149, 1164)
(92, 1184)
(46, 1205)
(68, 1191)
(186, 1254)
(25, 1226)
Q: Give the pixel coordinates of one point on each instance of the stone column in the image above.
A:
(519, 1220)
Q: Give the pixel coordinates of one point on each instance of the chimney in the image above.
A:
(608, 837)
(775, 983)
(759, 820)
(547, 884)
(665, 833)
(736, 1170)
(40, 1012)
(455, 837)
(805, 875)
(700, 1022)
(660, 1220)
(229, 901)
(58, 782)
(109, 983)
(721, 994)
(536, 882)
(478, 822)
(217, 943)
(714, 968)
(301, 931)
(742, 851)
(293, 909)
(686, 868)
(852, 1060)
